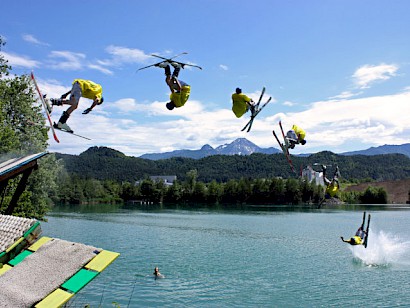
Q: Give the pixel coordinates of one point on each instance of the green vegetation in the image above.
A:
(102, 163)
(257, 191)
(106, 175)
(17, 138)
(372, 195)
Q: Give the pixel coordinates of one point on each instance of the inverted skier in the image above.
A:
(360, 238)
(295, 135)
(180, 90)
(332, 186)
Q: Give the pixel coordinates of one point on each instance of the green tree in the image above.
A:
(293, 194)
(214, 192)
(374, 195)
(18, 108)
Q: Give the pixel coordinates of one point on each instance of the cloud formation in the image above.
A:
(20, 61)
(223, 67)
(31, 39)
(121, 55)
(71, 61)
(367, 74)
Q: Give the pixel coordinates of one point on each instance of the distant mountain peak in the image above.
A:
(207, 147)
(240, 146)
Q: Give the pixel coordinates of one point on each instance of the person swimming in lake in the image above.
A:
(157, 274)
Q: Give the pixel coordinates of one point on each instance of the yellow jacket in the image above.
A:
(299, 132)
(181, 98)
(89, 89)
(239, 104)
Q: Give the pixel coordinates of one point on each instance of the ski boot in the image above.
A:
(56, 101)
(63, 126)
(62, 123)
(49, 108)
(162, 64)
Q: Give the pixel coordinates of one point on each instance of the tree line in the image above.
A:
(103, 163)
(234, 192)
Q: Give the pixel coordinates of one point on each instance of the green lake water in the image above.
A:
(256, 258)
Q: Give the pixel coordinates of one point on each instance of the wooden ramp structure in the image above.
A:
(14, 167)
(43, 271)
(35, 270)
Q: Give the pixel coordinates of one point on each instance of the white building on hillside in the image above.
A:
(312, 175)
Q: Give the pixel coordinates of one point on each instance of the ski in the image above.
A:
(284, 146)
(71, 133)
(367, 232)
(54, 127)
(170, 60)
(256, 112)
(44, 103)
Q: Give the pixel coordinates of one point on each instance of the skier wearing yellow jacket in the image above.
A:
(358, 238)
(241, 103)
(332, 186)
(296, 136)
(180, 90)
(81, 88)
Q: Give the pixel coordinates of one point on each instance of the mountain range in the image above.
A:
(243, 146)
(240, 146)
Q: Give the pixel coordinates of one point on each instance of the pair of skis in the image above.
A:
(170, 61)
(367, 229)
(258, 109)
(47, 107)
(284, 146)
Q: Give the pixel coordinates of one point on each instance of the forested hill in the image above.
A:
(104, 163)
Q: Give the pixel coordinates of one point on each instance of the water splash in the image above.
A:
(383, 249)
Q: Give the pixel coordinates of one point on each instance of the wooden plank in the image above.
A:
(79, 280)
(15, 244)
(14, 167)
(55, 299)
(4, 268)
(102, 260)
(31, 229)
(20, 257)
(39, 243)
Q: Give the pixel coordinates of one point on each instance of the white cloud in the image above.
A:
(368, 74)
(31, 39)
(20, 61)
(126, 105)
(71, 60)
(52, 88)
(122, 55)
(224, 67)
(375, 120)
(100, 69)
(345, 95)
(288, 103)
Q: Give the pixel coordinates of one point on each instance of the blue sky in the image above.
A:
(339, 69)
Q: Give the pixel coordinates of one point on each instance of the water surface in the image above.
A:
(275, 258)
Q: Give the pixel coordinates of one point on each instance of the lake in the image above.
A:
(275, 257)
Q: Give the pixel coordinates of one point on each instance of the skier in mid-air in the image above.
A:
(180, 90)
(295, 135)
(332, 186)
(241, 103)
(81, 88)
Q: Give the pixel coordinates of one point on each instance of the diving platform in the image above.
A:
(36, 270)
(40, 271)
